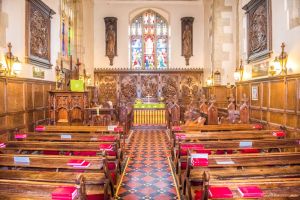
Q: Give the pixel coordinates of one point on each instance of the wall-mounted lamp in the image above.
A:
(11, 66)
(239, 72)
(209, 81)
(279, 63)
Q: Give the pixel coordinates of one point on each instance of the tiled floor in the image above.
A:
(148, 174)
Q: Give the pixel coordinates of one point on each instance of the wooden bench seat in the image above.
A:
(220, 127)
(76, 129)
(93, 183)
(272, 188)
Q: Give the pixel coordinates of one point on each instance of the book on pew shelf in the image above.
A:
(225, 161)
(220, 192)
(75, 162)
(118, 129)
(85, 164)
(278, 133)
(111, 128)
(20, 136)
(64, 192)
(40, 128)
(106, 146)
(250, 191)
(21, 159)
(2, 145)
(245, 144)
(65, 136)
(192, 146)
(199, 159)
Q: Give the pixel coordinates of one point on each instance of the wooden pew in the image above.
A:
(223, 135)
(272, 188)
(91, 183)
(77, 129)
(14, 146)
(63, 137)
(259, 166)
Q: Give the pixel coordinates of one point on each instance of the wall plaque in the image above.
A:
(259, 30)
(38, 31)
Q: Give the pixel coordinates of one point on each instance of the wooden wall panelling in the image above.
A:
(128, 87)
(149, 85)
(15, 96)
(280, 100)
(256, 103)
(2, 96)
(170, 87)
(107, 85)
(23, 101)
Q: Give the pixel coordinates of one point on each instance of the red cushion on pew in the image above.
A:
(111, 166)
(84, 153)
(220, 152)
(67, 153)
(95, 197)
(114, 177)
(111, 153)
(250, 151)
(278, 133)
(198, 194)
(204, 151)
(183, 165)
(258, 126)
(183, 152)
(49, 152)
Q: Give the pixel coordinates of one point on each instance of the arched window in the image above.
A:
(149, 41)
(67, 27)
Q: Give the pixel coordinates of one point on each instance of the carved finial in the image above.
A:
(9, 47)
(203, 99)
(212, 98)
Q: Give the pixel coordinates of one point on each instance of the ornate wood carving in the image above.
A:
(189, 88)
(170, 90)
(168, 84)
(203, 106)
(107, 86)
(231, 110)
(244, 110)
(38, 32)
(149, 85)
(187, 38)
(111, 38)
(212, 111)
(259, 29)
(128, 88)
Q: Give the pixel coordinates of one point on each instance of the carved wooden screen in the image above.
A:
(38, 31)
(149, 41)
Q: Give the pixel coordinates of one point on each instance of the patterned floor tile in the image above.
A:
(148, 174)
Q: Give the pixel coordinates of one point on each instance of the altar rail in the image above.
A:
(149, 117)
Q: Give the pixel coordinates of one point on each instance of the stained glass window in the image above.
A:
(149, 41)
(66, 27)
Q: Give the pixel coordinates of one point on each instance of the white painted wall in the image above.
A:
(123, 9)
(13, 21)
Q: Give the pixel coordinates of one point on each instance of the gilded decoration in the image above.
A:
(107, 86)
(259, 29)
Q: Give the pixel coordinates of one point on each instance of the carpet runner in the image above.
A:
(148, 174)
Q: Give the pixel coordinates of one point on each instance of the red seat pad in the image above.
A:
(84, 153)
(250, 151)
(220, 152)
(95, 197)
(49, 152)
(111, 166)
(111, 153)
(183, 165)
(198, 194)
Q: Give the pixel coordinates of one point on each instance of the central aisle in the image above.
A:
(148, 174)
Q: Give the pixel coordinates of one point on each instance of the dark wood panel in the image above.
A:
(265, 94)
(2, 96)
(3, 123)
(277, 94)
(16, 120)
(291, 120)
(291, 94)
(265, 116)
(39, 115)
(39, 96)
(29, 96)
(15, 96)
(277, 118)
(255, 114)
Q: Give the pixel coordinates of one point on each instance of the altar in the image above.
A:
(149, 114)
